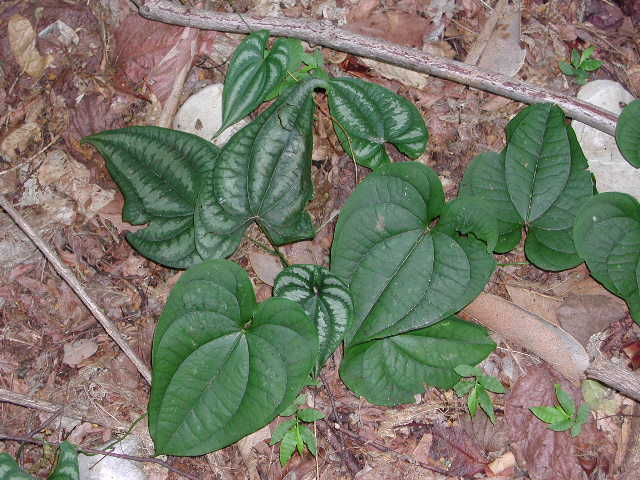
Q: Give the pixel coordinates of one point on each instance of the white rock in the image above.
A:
(100, 467)
(201, 115)
(612, 172)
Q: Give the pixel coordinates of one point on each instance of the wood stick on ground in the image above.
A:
(68, 276)
(337, 442)
(383, 448)
(615, 376)
(328, 35)
(8, 396)
(103, 452)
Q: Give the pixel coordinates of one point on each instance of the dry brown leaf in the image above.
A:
(545, 454)
(549, 342)
(538, 303)
(18, 140)
(22, 38)
(497, 48)
(267, 267)
(76, 352)
(457, 447)
(584, 315)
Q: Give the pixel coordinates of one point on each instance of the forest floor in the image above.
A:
(85, 66)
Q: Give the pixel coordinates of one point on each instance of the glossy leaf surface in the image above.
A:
(393, 370)
(263, 174)
(402, 274)
(628, 133)
(549, 242)
(324, 297)
(67, 465)
(607, 236)
(537, 163)
(366, 116)
(223, 367)
(253, 73)
(159, 172)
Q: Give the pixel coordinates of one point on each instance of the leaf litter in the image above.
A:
(115, 69)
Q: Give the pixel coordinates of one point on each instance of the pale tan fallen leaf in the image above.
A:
(18, 140)
(76, 352)
(22, 39)
(584, 315)
(549, 342)
(246, 446)
(267, 267)
(497, 48)
(538, 303)
(502, 463)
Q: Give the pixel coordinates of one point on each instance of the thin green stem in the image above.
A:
(272, 251)
(511, 264)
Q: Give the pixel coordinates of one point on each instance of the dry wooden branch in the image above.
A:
(8, 396)
(68, 276)
(94, 451)
(615, 376)
(328, 35)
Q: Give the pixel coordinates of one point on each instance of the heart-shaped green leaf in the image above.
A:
(160, 172)
(263, 174)
(402, 274)
(628, 133)
(223, 367)
(392, 370)
(549, 242)
(366, 115)
(10, 470)
(470, 215)
(254, 72)
(537, 162)
(607, 236)
(324, 297)
(485, 179)
(67, 465)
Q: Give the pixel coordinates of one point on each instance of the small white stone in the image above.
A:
(201, 115)
(612, 172)
(99, 467)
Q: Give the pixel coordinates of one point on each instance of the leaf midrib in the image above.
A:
(400, 265)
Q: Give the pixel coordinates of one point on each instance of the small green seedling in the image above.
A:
(293, 433)
(581, 65)
(477, 389)
(563, 417)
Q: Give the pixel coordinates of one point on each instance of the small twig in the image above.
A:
(328, 35)
(384, 448)
(94, 451)
(68, 276)
(347, 456)
(37, 404)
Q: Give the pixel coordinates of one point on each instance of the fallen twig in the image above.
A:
(336, 441)
(68, 276)
(328, 35)
(8, 396)
(94, 451)
(383, 448)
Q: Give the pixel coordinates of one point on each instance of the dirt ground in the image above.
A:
(75, 67)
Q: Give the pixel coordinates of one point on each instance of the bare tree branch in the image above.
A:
(328, 35)
(68, 276)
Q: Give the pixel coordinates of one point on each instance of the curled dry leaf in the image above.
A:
(549, 342)
(22, 38)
